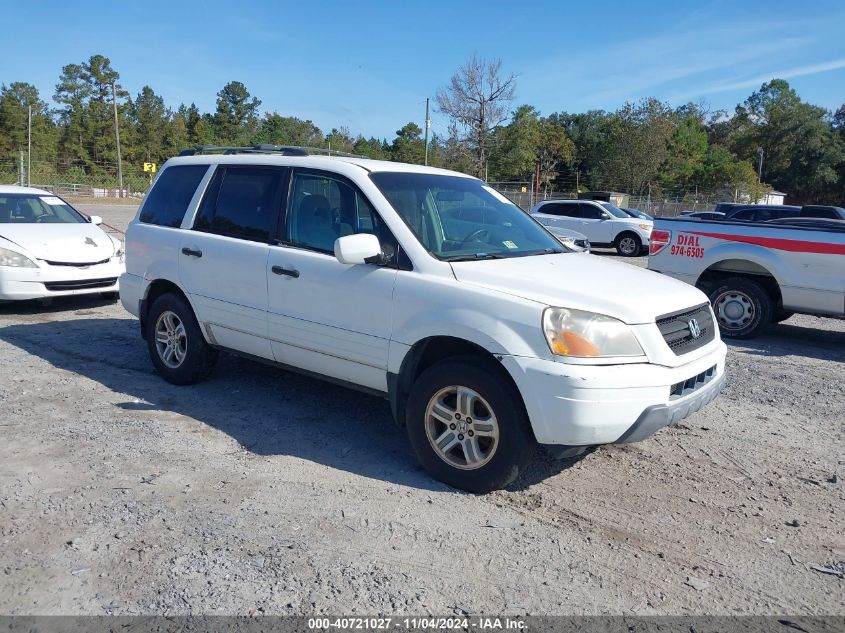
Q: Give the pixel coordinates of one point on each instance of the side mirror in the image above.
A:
(362, 248)
(95, 219)
(605, 216)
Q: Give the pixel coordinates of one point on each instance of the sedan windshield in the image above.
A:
(28, 208)
(459, 218)
(614, 210)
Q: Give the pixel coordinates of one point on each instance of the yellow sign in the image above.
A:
(525, 190)
(150, 167)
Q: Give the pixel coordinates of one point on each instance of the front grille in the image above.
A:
(77, 264)
(82, 284)
(678, 333)
(686, 387)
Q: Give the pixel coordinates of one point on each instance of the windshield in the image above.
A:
(29, 208)
(614, 210)
(459, 218)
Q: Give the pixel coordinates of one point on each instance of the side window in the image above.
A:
(323, 209)
(171, 194)
(591, 212)
(745, 214)
(242, 202)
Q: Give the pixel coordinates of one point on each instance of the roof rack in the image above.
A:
(265, 148)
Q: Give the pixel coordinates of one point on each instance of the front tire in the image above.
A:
(175, 342)
(742, 306)
(467, 425)
(628, 244)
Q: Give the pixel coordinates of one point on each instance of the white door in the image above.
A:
(223, 258)
(595, 225)
(323, 316)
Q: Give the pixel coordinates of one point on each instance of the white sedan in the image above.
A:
(49, 249)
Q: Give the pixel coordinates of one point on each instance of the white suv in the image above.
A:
(602, 223)
(422, 285)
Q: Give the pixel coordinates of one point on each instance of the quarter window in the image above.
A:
(171, 194)
(242, 202)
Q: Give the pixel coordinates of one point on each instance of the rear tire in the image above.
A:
(742, 306)
(175, 342)
(477, 455)
(628, 244)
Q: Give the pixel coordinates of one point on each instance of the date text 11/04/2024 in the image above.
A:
(687, 246)
(415, 624)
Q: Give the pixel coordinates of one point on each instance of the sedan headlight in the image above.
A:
(11, 258)
(580, 334)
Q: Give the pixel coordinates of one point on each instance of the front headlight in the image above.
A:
(11, 258)
(580, 334)
(645, 227)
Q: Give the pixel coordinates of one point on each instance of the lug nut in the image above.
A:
(460, 436)
(457, 416)
(453, 426)
(470, 433)
(469, 420)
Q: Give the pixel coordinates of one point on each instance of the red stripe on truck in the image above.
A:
(796, 246)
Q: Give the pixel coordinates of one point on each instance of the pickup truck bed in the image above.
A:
(754, 273)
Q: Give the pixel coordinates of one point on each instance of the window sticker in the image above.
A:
(510, 245)
(52, 201)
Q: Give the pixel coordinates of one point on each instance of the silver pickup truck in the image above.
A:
(755, 273)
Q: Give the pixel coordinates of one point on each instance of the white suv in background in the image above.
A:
(602, 223)
(424, 286)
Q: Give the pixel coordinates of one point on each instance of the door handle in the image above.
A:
(191, 252)
(290, 272)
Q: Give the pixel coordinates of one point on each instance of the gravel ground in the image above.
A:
(260, 491)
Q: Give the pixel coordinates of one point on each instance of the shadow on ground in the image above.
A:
(268, 411)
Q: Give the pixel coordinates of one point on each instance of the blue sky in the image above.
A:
(370, 65)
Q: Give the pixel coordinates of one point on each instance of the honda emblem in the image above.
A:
(694, 329)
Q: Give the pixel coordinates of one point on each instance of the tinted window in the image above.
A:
(566, 210)
(590, 212)
(745, 214)
(242, 202)
(323, 209)
(172, 192)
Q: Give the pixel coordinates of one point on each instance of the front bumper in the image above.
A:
(18, 284)
(583, 405)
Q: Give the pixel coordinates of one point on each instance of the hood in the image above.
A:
(67, 243)
(584, 282)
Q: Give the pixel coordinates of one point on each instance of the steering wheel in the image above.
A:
(473, 237)
(41, 216)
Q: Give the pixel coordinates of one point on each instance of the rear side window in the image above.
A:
(242, 202)
(171, 194)
(563, 210)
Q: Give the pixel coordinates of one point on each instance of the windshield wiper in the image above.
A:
(471, 258)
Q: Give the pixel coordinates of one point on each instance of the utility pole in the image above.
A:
(760, 167)
(29, 148)
(117, 141)
(577, 183)
(427, 125)
(20, 171)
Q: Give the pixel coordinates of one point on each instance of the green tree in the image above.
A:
(236, 118)
(281, 130)
(802, 152)
(340, 140)
(371, 148)
(553, 148)
(685, 151)
(408, 147)
(150, 121)
(513, 147)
